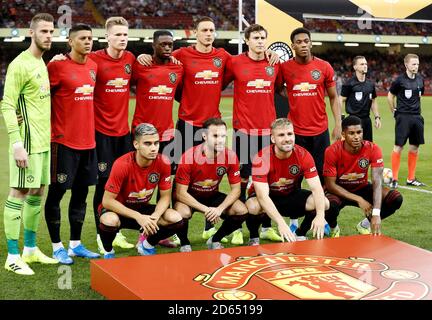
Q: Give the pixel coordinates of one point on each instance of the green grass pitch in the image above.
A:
(411, 224)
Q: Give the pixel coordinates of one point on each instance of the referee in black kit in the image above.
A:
(359, 94)
(408, 89)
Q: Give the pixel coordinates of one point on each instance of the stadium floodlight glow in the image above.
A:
(64, 32)
(14, 32)
(382, 45)
(411, 45)
(425, 39)
(339, 37)
(133, 39)
(14, 39)
(177, 38)
(95, 38)
(148, 40)
(316, 43)
(351, 44)
(377, 38)
(191, 41)
(102, 40)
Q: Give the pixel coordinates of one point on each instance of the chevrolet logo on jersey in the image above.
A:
(282, 182)
(140, 195)
(117, 82)
(85, 89)
(352, 176)
(305, 86)
(208, 183)
(207, 74)
(259, 83)
(161, 89)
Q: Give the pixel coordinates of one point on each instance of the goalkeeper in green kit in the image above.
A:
(27, 93)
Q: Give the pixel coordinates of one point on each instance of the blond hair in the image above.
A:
(410, 56)
(115, 21)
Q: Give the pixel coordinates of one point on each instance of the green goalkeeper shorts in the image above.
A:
(35, 175)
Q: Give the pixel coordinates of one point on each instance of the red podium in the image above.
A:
(357, 267)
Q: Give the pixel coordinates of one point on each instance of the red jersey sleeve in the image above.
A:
(165, 174)
(233, 169)
(279, 79)
(376, 157)
(261, 167)
(116, 178)
(53, 75)
(183, 172)
(330, 166)
(228, 74)
(329, 76)
(310, 170)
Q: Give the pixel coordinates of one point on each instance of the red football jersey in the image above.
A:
(202, 83)
(351, 170)
(305, 85)
(203, 175)
(111, 96)
(282, 175)
(254, 87)
(155, 91)
(134, 185)
(72, 111)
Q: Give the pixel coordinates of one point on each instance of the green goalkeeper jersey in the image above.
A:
(27, 93)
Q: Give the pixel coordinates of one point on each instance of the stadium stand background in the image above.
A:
(384, 64)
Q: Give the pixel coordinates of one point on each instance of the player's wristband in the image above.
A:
(376, 212)
(17, 145)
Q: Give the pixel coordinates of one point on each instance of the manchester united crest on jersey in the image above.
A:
(173, 77)
(217, 62)
(153, 178)
(220, 171)
(93, 75)
(269, 71)
(128, 68)
(294, 169)
(102, 166)
(61, 177)
(363, 163)
(316, 74)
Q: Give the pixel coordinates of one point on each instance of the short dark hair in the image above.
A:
(350, 121)
(41, 17)
(79, 27)
(159, 33)
(298, 31)
(254, 28)
(202, 19)
(356, 58)
(214, 122)
(144, 129)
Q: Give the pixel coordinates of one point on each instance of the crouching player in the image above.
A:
(277, 172)
(129, 189)
(346, 166)
(198, 176)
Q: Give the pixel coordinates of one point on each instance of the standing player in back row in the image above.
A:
(27, 93)
(408, 89)
(73, 154)
(111, 105)
(255, 82)
(360, 97)
(307, 78)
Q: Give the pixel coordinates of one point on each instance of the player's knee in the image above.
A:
(110, 219)
(253, 206)
(394, 199)
(172, 216)
(239, 208)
